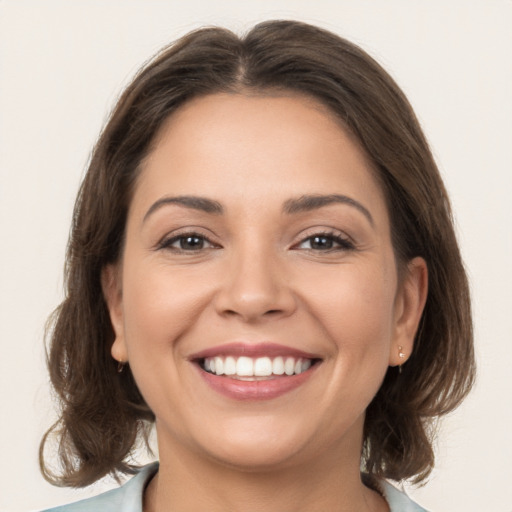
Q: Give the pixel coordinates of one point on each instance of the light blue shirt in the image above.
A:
(128, 497)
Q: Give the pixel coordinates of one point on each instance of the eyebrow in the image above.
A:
(307, 203)
(196, 203)
(301, 204)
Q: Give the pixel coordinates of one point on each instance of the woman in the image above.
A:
(263, 264)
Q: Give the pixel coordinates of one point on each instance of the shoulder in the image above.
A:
(127, 498)
(397, 500)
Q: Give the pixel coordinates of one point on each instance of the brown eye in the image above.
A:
(187, 242)
(325, 242)
(321, 242)
(191, 243)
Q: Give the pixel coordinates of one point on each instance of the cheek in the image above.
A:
(160, 311)
(159, 308)
(355, 306)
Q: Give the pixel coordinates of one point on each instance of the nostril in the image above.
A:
(250, 302)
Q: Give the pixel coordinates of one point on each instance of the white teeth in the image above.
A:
(263, 367)
(230, 366)
(219, 365)
(289, 366)
(258, 367)
(306, 364)
(278, 366)
(244, 367)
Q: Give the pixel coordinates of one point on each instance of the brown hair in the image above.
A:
(102, 412)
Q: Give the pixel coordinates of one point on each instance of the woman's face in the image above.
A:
(257, 301)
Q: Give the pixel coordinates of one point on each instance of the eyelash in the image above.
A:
(344, 244)
(167, 243)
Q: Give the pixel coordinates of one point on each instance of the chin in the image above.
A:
(254, 458)
(250, 443)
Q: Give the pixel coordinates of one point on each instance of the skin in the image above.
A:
(259, 278)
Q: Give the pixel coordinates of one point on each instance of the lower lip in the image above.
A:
(257, 389)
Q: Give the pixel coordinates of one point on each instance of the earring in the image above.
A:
(120, 366)
(401, 355)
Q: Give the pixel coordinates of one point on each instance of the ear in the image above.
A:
(409, 304)
(112, 291)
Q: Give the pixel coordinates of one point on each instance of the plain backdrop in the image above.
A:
(62, 65)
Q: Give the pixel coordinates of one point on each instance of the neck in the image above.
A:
(329, 482)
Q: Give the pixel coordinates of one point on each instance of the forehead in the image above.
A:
(233, 146)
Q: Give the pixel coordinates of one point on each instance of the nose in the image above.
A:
(255, 288)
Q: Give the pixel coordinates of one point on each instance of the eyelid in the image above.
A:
(344, 241)
(167, 240)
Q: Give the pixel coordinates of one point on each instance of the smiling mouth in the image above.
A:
(256, 368)
(255, 371)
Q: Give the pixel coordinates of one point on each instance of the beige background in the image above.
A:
(62, 64)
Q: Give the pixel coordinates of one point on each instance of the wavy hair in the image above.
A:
(102, 412)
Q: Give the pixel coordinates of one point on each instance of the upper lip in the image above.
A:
(254, 350)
